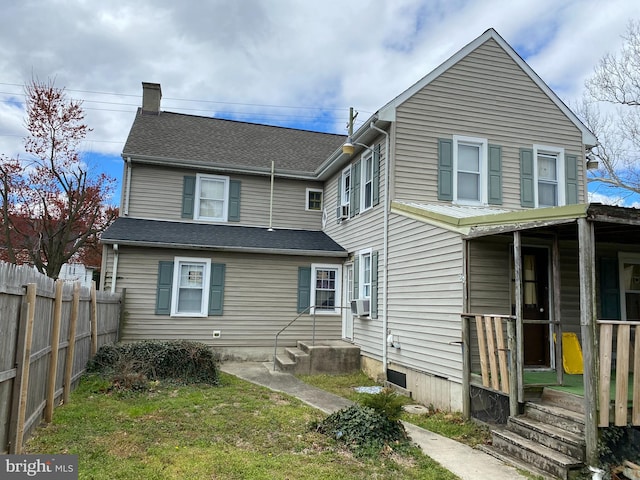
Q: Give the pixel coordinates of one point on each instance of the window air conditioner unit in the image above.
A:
(360, 307)
(344, 212)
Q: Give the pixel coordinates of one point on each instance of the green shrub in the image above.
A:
(363, 429)
(182, 361)
(388, 403)
(617, 444)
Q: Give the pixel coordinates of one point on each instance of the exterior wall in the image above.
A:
(485, 95)
(363, 231)
(425, 302)
(260, 298)
(156, 193)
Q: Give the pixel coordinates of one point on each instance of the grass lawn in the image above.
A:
(235, 431)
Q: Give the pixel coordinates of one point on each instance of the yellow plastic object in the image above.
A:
(571, 354)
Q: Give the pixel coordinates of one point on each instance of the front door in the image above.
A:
(535, 291)
(347, 294)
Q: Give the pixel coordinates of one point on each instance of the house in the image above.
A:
(450, 240)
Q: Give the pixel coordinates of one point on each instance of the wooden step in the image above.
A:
(553, 415)
(561, 440)
(533, 453)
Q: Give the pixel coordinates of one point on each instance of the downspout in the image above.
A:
(115, 268)
(128, 188)
(385, 248)
(273, 166)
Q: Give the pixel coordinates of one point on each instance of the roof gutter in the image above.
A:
(270, 251)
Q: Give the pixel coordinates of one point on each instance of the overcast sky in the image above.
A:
(297, 63)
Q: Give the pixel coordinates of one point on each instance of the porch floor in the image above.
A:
(572, 383)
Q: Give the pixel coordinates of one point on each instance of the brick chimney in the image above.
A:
(151, 95)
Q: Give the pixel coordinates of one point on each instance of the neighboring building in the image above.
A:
(237, 228)
(77, 272)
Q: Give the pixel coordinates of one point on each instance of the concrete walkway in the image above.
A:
(464, 461)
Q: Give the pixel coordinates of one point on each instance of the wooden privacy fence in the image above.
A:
(48, 331)
(625, 370)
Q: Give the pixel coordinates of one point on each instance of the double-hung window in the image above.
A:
(190, 286)
(365, 274)
(469, 170)
(345, 189)
(367, 181)
(325, 291)
(212, 193)
(549, 177)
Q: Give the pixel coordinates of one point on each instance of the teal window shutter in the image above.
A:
(304, 288)
(571, 178)
(527, 188)
(376, 174)
(495, 175)
(188, 196)
(445, 169)
(163, 288)
(354, 200)
(609, 289)
(216, 289)
(356, 278)
(373, 305)
(234, 201)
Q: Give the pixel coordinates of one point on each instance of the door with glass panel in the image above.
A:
(630, 287)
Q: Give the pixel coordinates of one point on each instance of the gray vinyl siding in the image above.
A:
(485, 95)
(363, 231)
(260, 294)
(425, 297)
(156, 193)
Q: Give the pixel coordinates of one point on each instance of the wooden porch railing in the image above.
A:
(625, 363)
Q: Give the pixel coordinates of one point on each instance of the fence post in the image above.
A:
(94, 320)
(68, 367)
(23, 360)
(55, 347)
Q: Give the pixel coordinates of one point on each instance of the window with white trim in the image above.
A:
(325, 288)
(212, 194)
(549, 176)
(345, 188)
(365, 274)
(314, 199)
(367, 181)
(190, 286)
(469, 170)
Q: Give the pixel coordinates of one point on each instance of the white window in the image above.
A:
(325, 288)
(549, 176)
(345, 186)
(469, 170)
(367, 181)
(212, 193)
(314, 199)
(364, 274)
(190, 287)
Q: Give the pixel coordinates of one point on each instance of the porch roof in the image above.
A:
(472, 221)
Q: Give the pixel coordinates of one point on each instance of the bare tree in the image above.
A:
(53, 209)
(611, 109)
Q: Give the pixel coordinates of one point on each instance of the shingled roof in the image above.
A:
(156, 233)
(203, 141)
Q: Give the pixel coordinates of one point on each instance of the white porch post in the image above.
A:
(586, 250)
(519, 356)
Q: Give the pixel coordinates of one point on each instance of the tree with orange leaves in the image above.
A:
(53, 209)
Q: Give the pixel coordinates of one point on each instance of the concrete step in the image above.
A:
(563, 441)
(532, 453)
(285, 364)
(553, 415)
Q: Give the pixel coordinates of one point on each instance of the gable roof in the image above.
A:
(201, 142)
(230, 238)
(388, 111)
